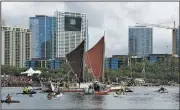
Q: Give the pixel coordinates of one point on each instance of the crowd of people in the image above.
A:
(16, 81)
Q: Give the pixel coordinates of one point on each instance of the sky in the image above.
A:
(112, 17)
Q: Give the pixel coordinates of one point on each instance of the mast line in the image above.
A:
(103, 59)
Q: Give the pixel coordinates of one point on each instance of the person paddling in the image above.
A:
(162, 89)
(8, 98)
(25, 90)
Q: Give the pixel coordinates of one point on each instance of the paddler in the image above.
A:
(8, 98)
(49, 96)
(25, 90)
(162, 89)
(121, 92)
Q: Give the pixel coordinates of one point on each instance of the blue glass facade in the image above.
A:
(43, 36)
(107, 63)
(140, 41)
(114, 63)
(153, 59)
(41, 63)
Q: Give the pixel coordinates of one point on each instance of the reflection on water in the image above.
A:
(141, 98)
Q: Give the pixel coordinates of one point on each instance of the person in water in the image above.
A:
(8, 97)
(121, 92)
(49, 96)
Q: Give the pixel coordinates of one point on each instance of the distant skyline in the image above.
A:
(113, 18)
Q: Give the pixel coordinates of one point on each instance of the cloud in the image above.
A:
(113, 18)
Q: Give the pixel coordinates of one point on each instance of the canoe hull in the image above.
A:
(13, 101)
(102, 93)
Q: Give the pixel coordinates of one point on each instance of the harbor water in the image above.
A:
(141, 98)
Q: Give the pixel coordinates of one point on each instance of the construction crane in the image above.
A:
(174, 32)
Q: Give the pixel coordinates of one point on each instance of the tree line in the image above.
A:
(162, 70)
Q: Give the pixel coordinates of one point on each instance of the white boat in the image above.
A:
(58, 96)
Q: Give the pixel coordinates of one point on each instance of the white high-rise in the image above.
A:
(15, 46)
(71, 30)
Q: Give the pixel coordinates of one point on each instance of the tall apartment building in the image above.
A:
(140, 42)
(15, 46)
(43, 36)
(71, 30)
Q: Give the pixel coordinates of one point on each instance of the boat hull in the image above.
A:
(27, 93)
(30, 93)
(102, 92)
(58, 96)
(98, 93)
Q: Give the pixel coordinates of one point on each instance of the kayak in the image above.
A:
(165, 91)
(128, 90)
(33, 92)
(12, 101)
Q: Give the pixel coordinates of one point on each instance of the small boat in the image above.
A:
(32, 92)
(128, 90)
(58, 95)
(12, 101)
(162, 90)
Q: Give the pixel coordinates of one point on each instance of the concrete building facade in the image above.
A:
(15, 46)
(71, 30)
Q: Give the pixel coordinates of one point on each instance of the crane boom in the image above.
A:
(174, 29)
(155, 25)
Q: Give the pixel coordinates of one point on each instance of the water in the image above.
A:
(141, 98)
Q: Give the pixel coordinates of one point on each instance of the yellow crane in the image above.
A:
(174, 32)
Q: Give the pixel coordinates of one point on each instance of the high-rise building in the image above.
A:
(140, 41)
(43, 36)
(71, 30)
(15, 46)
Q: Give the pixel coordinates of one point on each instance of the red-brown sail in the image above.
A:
(75, 60)
(94, 59)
